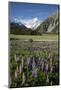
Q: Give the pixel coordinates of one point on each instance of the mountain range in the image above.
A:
(35, 26)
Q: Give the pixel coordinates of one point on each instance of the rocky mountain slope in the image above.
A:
(51, 24)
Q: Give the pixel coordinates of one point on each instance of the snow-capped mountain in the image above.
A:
(29, 23)
(32, 23)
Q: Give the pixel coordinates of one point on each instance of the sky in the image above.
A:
(28, 11)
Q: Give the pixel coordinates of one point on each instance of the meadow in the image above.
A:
(34, 60)
(33, 63)
(43, 37)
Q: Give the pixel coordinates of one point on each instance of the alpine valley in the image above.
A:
(35, 26)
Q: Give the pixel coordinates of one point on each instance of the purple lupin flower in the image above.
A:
(51, 68)
(30, 63)
(28, 60)
(46, 68)
(34, 71)
(42, 66)
(33, 64)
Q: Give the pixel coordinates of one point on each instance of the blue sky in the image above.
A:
(25, 11)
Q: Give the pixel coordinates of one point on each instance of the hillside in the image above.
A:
(50, 25)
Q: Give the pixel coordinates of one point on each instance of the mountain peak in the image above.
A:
(32, 23)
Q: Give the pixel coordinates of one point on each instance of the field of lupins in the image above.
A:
(33, 63)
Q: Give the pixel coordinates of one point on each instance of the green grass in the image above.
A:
(43, 37)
